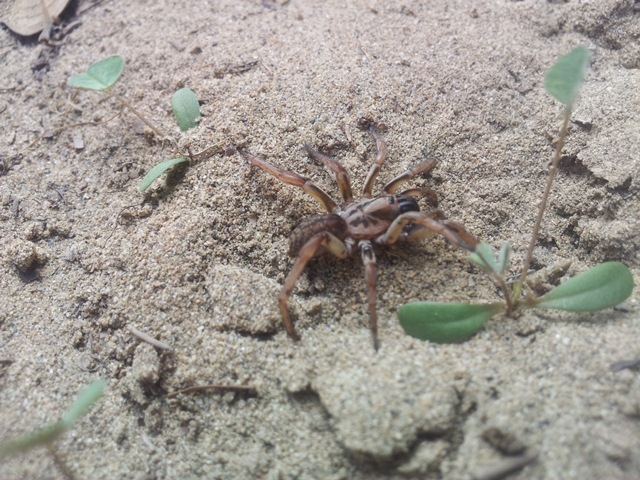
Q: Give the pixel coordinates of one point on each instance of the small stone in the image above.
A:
(426, 458)
(146, 365)
(504, 442)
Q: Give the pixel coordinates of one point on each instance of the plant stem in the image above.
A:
(498, 279)
(545, 196)
(506, 293)
(157, 131)
(60, 463)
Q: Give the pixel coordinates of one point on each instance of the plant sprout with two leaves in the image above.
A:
(102, 75)
(603, 286)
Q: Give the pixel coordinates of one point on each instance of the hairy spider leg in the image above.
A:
(292, 178)
(421, 168)
(338, 170)
(369, 261)
(420, 232)
(454, 233)
(381, 154)
(324, 240)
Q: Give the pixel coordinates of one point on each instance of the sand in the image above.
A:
(197, 262)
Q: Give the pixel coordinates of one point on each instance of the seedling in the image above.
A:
(603, 286)
(46, 436)
(186, 108)
(158, 170)
(102, 75)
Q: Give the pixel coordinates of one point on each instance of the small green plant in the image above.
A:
(102, 75)
(186, 108)
(45, 436)
(603, 286)
(158, 170)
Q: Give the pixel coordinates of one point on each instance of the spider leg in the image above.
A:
(314, 246)
(420, 232)
(423, 167)
(431, 195)
(454, 233)
(369, 261)
(336, 168)
(377, 163)
(292, 178)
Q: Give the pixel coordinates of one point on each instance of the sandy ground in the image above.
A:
(197, 262)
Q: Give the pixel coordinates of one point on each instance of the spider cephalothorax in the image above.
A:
(357, 225)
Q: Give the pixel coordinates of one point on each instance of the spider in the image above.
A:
(360, 225)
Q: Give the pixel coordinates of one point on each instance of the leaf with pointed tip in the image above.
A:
(504, 257)
(445, 322)
(603, 286)
(484, 257)
(158, 170)
(565, 76)
(100, 76)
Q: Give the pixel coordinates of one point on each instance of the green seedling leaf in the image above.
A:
(503, 258)
(86, 397)
(158, 170)
(44, 436)
(484, 257)
(445, 322)
(48, 434)
(186, 108)
(564, 78)
(603, 286)
(100, 76)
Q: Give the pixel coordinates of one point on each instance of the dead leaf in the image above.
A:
(27, 17)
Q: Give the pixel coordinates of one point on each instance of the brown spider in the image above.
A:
(359, 225)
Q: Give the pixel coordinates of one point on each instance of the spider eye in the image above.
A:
(408, 204)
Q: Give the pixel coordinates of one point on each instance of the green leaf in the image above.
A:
(564, 78)
(504, 257)
(484, 257)
(603, 286)
(86, 397)
(43, 436)
(100, 76)
(158, 170)
(186, 108)
(49, 433)
(445, 322)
